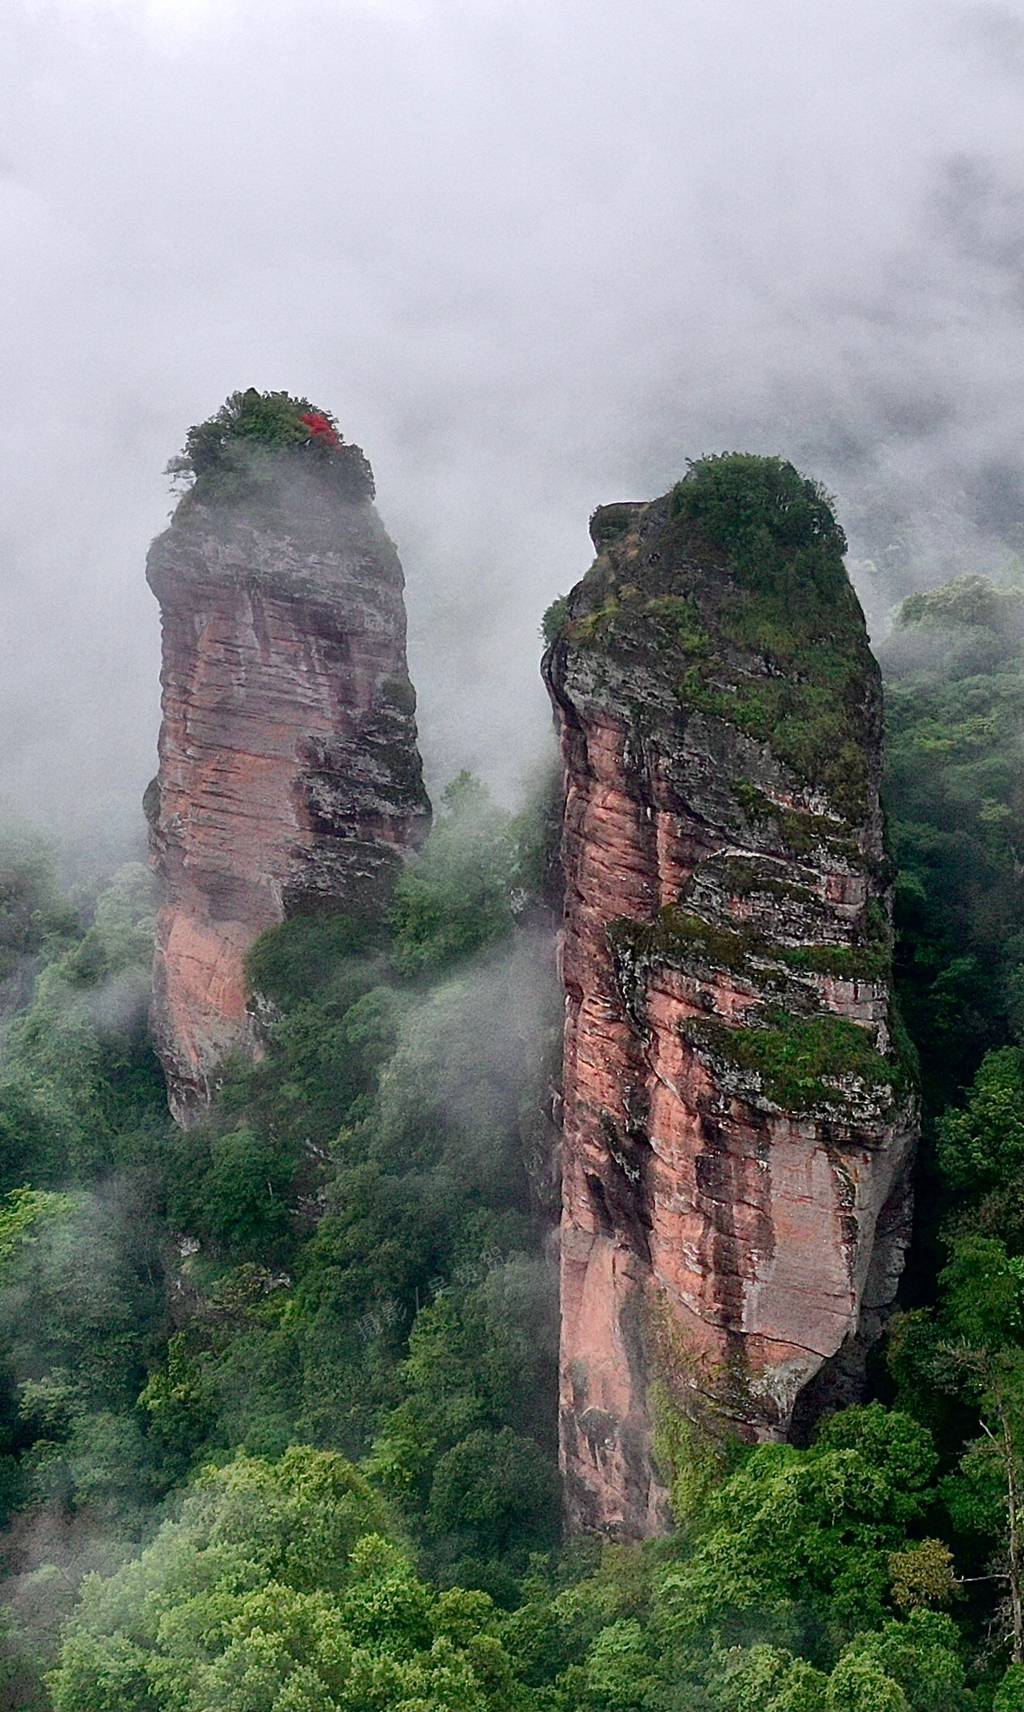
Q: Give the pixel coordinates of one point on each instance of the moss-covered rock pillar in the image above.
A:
(738, 1117)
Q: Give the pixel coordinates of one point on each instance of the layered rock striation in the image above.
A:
(738, 1113)
(289, 774)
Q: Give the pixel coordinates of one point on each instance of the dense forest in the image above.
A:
(277, 1404)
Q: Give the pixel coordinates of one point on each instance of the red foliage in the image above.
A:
(321, 428)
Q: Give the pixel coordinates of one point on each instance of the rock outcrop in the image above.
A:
(289, 773)
(738, 1114)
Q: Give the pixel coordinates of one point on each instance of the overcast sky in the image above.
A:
(533, 254)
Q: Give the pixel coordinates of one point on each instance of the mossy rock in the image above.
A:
(732, 592)
(399, 694)
(676, 935)
(802, 1064)
(801, 832)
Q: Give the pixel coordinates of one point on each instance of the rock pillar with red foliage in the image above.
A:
(289, 774)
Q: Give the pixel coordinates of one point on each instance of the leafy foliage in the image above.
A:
(285, 1383)
(554, 620)
(33, 916)
(458, 894)
(746, 614)
(955, 708)
(80, 1087)
(234, 452)
(764, 514)
(791, 601)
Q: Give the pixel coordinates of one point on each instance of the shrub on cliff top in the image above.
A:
(747, 608)
(791, 602)
(762, 512)
(233, 450)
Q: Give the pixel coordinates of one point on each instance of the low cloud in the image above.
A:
(534, 257)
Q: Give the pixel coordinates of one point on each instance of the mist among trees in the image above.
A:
(278, 1391)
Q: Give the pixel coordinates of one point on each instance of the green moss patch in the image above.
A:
(801, 1063)
(846, 962)
(694, 1457)
(399, 694)
(742, 877)
(595, 626)
(802, 833)
(678, 620)
(805, 724)
(675, 934)
(789, 603)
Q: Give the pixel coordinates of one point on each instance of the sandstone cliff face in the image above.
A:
(737, 1123)
(289, 771)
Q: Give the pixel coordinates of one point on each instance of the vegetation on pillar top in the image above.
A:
(734, 591)
(777, 526)
(241, 447)
(790, 603)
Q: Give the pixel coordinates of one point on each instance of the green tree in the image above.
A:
(981, 1148)
(235, 452)
(234, 1190)
(34, 918)
(982, 1309)
(273, 1593)
(802, 1539)
(954, 671)
(492, 1490)
(923, 1656)
(457, 895)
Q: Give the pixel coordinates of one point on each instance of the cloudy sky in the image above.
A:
(534, 254)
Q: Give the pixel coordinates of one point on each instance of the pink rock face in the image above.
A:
(722, 1255)
(289, 773)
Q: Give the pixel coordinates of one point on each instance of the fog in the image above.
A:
(533, 255)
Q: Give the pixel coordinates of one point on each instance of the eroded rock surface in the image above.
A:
(289, 771)
(738, 1123)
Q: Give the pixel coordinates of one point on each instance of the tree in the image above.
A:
(456, 896)
(493, 1490)
(803, 1538)
(984, 1289)
(922, 1656)
(981, 1148)
(233, 452)
(273, 1593)
(954, 672)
